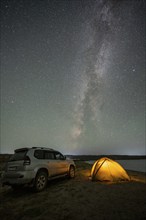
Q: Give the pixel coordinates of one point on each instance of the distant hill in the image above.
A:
(4, 157)
(3, 160)
(114, 157)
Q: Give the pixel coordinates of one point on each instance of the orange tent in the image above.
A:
(106, 169)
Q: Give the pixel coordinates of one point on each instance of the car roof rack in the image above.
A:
(45, 148)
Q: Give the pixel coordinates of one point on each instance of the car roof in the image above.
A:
(29, 148)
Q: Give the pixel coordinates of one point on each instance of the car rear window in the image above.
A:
(19, 155)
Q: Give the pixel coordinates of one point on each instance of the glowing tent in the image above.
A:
(106, 169)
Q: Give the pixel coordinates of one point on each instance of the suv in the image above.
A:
(35, 166)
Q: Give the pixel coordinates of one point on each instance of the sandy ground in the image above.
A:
(78, 199)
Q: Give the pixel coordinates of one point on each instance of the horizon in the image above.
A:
(75, 154)
(130, 155)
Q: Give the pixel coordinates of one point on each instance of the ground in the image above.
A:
(79, 199)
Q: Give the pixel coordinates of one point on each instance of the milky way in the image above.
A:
(73, 75)
(93, 119)
(97, 55)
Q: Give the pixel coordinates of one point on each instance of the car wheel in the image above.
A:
(40, 181)
(71, 173)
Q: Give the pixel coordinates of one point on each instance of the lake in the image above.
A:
(136, 165)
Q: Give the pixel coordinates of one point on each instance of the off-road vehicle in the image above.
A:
(35, 166)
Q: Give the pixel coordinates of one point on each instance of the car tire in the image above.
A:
(40, 181)
(71, 173)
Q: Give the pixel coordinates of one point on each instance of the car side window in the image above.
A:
(59, 156)
(39, 154)
(49, 155)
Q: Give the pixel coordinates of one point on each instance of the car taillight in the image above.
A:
(27, 161)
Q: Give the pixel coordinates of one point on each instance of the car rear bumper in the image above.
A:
(19, 178)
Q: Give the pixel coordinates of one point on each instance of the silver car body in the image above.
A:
(20, 171)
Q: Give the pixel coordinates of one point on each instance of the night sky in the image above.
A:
(73, 75)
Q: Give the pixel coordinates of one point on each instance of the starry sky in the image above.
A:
(73, 75)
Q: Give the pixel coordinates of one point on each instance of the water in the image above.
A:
(136, 165)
